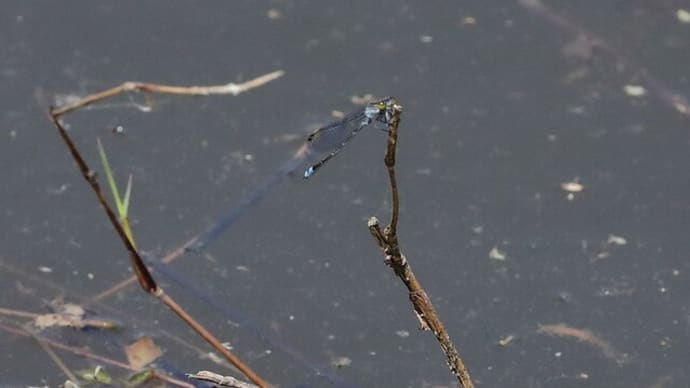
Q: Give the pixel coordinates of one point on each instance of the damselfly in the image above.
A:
(333, 137)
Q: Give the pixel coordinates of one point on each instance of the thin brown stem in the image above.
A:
(18, 313)
(143, 275)
(127, 87)
(211, 339)
(387, 240)
(171, 256)
(389, 161)
(54, 357)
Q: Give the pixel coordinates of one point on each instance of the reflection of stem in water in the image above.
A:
(247, 202)
(244, 321)
(587, 337)
(203, 239)
(663, 92)
(329, 139)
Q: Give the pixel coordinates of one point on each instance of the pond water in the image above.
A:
(542, 165)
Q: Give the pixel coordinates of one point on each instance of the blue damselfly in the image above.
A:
(333, 137)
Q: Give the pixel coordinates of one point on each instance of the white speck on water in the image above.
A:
(616, 240)
(497, 254)
(426, 38)
(635, 90)
(402, 333)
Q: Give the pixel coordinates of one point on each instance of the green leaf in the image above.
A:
(111, 181)
(96, 375)
(139, 378)
(122, 206)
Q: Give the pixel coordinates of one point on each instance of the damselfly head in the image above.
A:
(381, 110)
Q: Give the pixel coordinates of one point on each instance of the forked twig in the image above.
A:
(143, 275)
(388, 241)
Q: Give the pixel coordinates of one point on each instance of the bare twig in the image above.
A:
(223, 381)
(130, 86)
(387, 239)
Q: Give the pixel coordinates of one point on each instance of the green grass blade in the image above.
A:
(128, 192)
(111, 181)
(121, 205)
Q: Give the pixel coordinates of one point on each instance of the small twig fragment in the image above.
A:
(230, 88)
(223, 381)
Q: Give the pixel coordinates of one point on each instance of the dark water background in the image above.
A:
(498, 112)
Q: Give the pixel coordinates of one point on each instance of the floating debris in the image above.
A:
(616, 240)
(683, 15)
(402, 333)
(341, 362)
(635, 90)
(45, 321)
(497, 254)
(274, 14)
(96, 375)
(71, 315)
(426, 38)
(142, 352)
(468, 21)
(140, 378)
(572, 187)
(505, 341)
(65, 315)
(588, 337)
(219, 380)
(362, 100)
